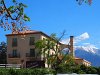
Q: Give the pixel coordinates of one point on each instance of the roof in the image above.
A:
(29, 32)
(24, 32)
(77, 58)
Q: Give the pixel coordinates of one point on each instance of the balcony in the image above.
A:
(30, 55)
(14, 55)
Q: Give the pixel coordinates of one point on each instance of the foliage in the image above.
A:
(64, 68)
(98, 70)
(88, 70)
(3, 49)
(85, 1)
(79, 69)
(35, 71)
(51, 50)
(12, 17)
(45, 47)
(71, 67)
(68, 66)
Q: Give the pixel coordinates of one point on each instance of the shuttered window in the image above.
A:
(14, 42)
(32, 41)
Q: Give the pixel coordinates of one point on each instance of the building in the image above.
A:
(77, 60)
(21, 49)
(82, 61)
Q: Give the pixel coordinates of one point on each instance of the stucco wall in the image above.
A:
(23, 46)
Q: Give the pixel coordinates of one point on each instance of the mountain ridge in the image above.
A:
(92, 55)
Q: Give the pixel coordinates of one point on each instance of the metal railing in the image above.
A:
(16, 66)
(14, 56)
(29, 55)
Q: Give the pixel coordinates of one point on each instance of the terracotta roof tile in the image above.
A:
(24, 32)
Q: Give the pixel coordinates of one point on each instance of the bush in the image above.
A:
(64, 68)
(35, 71)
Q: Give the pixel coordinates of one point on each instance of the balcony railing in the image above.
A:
(14, 55)
(30, 55)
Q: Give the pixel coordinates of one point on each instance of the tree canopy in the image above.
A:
(12, 17)
(84, 1)
(3, 50)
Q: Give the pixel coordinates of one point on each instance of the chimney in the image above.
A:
(71, 45)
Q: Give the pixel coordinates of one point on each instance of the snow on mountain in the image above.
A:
(89, 48)
(86, 51)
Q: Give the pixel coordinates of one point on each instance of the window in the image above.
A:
(32, 40)
(14, 42)
(14, 53)
(32, 52)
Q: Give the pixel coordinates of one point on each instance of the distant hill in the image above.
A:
(92, 55)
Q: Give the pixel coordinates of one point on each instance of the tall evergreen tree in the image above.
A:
(3, 50)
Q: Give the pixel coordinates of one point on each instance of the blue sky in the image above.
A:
(54, 16)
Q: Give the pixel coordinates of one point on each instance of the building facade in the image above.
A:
(82, 61)
(21, 49)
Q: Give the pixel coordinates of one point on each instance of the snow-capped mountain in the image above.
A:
(87, 50)
(89, 53)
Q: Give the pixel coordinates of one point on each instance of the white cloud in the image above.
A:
(77, 39)
(84, 46)
(65, 41)
(82, 37)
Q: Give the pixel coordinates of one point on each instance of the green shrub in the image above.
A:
(3, 72)
(34, 71)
